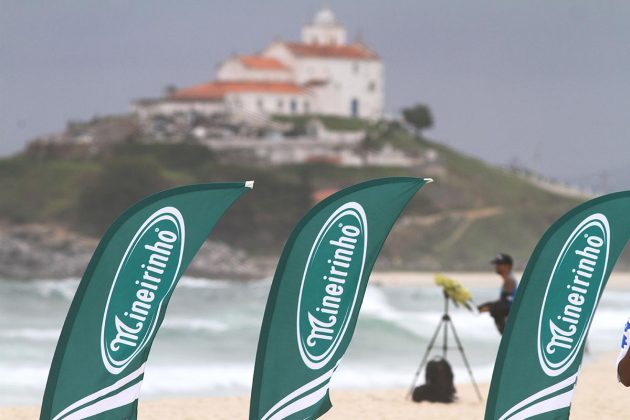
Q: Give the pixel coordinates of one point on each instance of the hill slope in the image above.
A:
(470, 213)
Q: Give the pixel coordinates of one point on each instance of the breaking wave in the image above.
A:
(221, 320)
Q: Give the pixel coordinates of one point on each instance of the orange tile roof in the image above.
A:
(351, 51)
(261, 63)
(217, 90)
(207, 91)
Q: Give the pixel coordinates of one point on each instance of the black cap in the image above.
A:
(502, 259)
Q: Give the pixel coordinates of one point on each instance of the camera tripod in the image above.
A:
(444, 325)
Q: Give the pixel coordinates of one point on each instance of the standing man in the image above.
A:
(500, 309)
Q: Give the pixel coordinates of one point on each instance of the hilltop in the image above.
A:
(470, 213)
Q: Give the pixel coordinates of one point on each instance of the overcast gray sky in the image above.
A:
(546, 83)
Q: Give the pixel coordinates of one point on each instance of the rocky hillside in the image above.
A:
(46, 251)
(470, 213)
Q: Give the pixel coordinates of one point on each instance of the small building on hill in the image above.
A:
(321, 74)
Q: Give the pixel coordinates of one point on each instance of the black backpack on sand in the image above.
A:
(439, 385)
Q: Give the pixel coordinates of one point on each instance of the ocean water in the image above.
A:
(207, 343)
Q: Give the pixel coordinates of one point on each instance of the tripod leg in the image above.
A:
(425, 358)
(445, 343)
(461, 350)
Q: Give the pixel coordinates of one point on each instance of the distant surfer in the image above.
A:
(623, 361)
(500, 309)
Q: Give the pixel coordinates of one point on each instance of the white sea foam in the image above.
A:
(67, 287)
(609, 320)
(422, 323)
(200, 283)
(15, 375)
(47, 288)
(409, 317)
(34, 334)
(220, 379)
(203, 283)
(613, 296)
(214, 379)
(195, 324)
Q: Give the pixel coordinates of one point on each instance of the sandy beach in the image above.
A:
(598, 395)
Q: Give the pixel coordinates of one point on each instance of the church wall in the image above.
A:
(233, 69)
(334, 34)
(269, 103)
(362, 80)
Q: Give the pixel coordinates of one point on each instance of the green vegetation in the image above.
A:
(419, 116)
(473, 211)
(331, 122)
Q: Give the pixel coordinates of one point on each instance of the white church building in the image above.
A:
(322, 74)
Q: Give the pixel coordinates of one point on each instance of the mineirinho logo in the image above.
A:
(573, 291)
(330, 284)
(145, 276)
